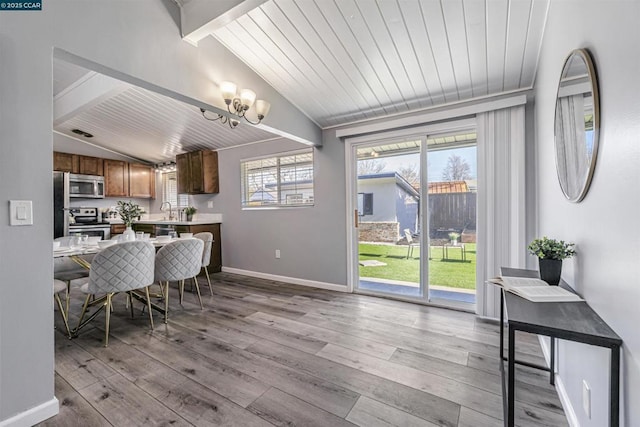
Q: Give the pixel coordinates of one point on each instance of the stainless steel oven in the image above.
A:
(86, 222)
(101, 230)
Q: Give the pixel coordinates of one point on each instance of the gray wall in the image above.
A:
(311, 239)
(606, 270)
(138, 38)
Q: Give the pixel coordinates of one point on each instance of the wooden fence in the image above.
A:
(451, 211)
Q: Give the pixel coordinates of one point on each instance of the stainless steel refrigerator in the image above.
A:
(60, 204)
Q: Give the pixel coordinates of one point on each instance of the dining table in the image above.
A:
(80, 253)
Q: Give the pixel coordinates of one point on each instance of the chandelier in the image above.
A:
(165, 167)
(238, 105)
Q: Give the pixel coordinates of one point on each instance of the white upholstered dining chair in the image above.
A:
(178, 261)
(60, 286)
(67, 270)
(207, 238)
(123, 267)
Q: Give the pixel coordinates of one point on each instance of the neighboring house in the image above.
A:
(387, 204)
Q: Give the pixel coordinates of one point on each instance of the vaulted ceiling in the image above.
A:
(346, 60)
(338, 61)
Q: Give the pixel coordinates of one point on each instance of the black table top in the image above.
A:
(574, 321)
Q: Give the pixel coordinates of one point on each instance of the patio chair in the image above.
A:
(411, 244)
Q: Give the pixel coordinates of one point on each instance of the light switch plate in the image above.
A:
(20, 212)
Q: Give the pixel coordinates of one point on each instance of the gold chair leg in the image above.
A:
(146, 291)
(198, 290)
(67, 297)
(166, 302)
(206, 271)
(181, 290)
(62, 313)
(84, 310)
(107, 318)
(130, 302)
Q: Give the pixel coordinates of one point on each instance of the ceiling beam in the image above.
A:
(200, 18)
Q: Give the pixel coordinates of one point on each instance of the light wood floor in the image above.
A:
(266, 353)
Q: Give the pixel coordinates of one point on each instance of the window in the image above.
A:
(282, 180)
(365, 204)
(170, 191)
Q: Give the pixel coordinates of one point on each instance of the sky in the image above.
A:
(437, 161)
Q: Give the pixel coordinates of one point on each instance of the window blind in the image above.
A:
(282, 180)
(170, 191)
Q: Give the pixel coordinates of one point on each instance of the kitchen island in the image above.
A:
(209, 224)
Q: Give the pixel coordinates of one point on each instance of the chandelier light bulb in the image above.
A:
(247, 98)
(262, 108)
(228, 90)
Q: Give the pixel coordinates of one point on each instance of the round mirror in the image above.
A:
(577, 125)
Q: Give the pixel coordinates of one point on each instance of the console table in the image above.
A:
(573, 321)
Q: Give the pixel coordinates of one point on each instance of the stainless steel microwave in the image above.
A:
(86, 186)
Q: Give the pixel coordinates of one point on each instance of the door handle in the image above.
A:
(355, 212)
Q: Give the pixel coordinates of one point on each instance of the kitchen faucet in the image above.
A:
(171, 217)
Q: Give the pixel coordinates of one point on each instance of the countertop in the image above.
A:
(199, 219)
(194, 222)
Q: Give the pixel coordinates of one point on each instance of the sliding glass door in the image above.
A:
(388, 217)
(414, 216)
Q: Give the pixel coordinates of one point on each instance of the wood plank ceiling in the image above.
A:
(146, 125)
(341, 61)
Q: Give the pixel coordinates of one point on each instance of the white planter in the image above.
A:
(129, 235)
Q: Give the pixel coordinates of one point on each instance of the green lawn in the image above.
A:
(453, 273)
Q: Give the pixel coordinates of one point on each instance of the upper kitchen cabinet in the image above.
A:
(116, 178)
(198, 172)
(65, 162)
(90, 165)
(142, 181)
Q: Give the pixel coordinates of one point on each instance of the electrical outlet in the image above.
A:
(210, 204)
(586, 399)
(277, 253)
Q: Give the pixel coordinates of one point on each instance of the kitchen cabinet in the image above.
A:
(65, 162)
(121, 179)
(145, 228)
(197, 172)
(90, 165)
(142, 181)
(117, 228)
(116, 178)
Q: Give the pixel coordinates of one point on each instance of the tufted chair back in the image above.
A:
(207, 238)
(179, 260)
(122, 267)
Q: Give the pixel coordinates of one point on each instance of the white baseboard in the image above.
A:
(286, 279)
(34, 415)
(560, 388)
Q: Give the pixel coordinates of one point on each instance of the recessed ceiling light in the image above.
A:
(82, 133)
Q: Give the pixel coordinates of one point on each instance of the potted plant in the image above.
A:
(189, 211)
(129, 212)
(454, 237)
(550, 253)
